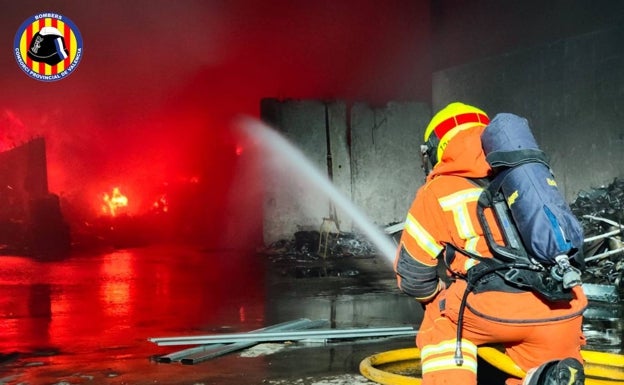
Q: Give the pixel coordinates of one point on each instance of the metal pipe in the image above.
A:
(606, 235)
(213, 351)
(218, 350)
(177, 356)
(609, 221)
(282, 336)
(200, 353)
(602, 236)
(604, 255)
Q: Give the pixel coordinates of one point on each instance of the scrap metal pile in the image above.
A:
(312, 254)
(601, 212)
(307, 246)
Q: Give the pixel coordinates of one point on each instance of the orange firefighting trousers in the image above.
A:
(531, 330)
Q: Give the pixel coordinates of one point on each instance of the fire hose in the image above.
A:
(600, 368)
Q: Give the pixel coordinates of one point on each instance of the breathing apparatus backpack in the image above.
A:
(541, 235)
(540, 231)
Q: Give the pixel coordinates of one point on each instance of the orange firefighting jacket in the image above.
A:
(443, 212)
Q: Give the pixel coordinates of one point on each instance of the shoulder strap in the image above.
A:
(513, 250)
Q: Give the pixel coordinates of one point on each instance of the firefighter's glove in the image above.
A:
(441, 287)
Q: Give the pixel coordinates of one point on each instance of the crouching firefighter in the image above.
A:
(494, 290)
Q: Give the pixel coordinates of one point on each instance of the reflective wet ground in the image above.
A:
(86, 319)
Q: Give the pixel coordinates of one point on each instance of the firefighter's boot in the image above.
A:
(568, 371)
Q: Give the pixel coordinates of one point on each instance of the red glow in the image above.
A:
(117, 271)
(161, 205)
(120, 299)
(150, 120)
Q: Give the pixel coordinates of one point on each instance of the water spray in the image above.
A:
(275, 143)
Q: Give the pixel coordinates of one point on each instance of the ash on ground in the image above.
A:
(307, 246)
(306, 255)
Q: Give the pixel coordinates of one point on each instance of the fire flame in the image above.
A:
(114, 202)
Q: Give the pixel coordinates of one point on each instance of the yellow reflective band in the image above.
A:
(471, 244)
(448, 363)
(448, 346)
(422, 237)
(442, 356)
(457, 203)
(551, 182)
(470, 262)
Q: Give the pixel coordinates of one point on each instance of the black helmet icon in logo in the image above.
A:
(48, 46)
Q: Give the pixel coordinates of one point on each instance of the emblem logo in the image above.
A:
(48, 47)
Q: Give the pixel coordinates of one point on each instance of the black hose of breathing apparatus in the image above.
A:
(459, 357)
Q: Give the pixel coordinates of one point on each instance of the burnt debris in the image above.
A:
(600, 211)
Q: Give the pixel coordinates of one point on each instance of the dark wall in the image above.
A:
(572, 93)
(30, 217)
(465, 31)
(23, 171)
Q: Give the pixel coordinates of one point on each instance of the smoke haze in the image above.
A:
(151, 102)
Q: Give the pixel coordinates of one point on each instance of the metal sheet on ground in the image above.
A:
(194, 355)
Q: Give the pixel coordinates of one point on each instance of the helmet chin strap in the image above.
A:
(429, 153)
(424, 157)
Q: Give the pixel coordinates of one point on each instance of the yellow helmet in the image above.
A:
(452, 119)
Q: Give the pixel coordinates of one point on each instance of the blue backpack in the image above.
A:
(536, 221)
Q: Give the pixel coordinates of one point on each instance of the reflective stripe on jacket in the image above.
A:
(444, 212)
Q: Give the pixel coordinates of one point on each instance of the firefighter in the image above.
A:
(442, 229)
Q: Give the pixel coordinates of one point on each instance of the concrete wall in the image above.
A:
(291, 203)
(572, 93)
(386, 165)
(374, 161)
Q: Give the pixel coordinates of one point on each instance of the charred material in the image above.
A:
(301, 256)
(601, 212)
(304, 246)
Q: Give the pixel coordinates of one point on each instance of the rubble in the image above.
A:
(601, 212)
(304, 256)
(304, 247)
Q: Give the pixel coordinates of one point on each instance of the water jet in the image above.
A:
(279, 150)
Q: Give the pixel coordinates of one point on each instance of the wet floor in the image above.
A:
(86, 319)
